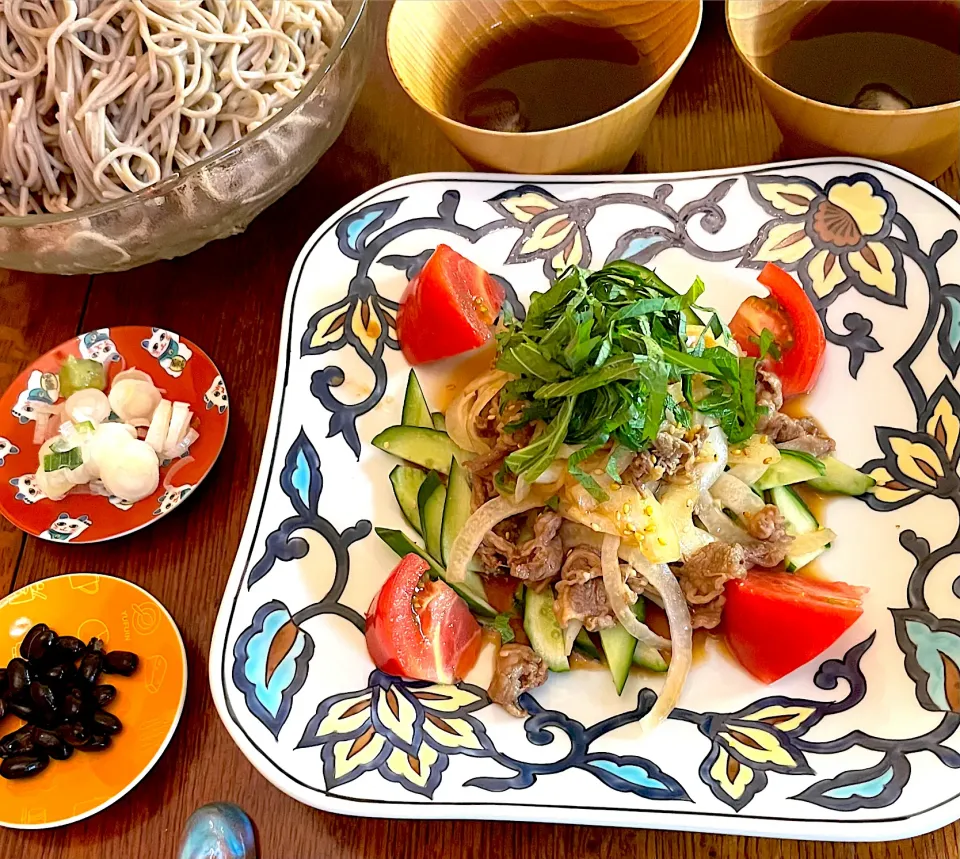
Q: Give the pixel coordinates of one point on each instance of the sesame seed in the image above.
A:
(616, 487)
(649, 529)
(764, 439)
(626, 508)
(386, 445)
(661, 541)
(767, 460)
(595, 526)
(648, 510)
(598, 471)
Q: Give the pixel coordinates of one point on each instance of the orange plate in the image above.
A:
(148, 703)
(176, 365)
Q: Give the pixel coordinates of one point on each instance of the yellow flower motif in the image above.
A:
(731, 776)
(416, 770)
(861, 203)
(944, 426)
(547, 234)
(527, 205)
(916, 460)
(786, 243)
(888, 488)
(875, 265)
(758, 745)
(329, 327)
(350, 755)
(572, 254)
(781, 717)
(366, 324)
(451, 733)
(344, 717)
(825, 273)
(793, 198)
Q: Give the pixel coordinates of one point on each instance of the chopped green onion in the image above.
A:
(69, 459)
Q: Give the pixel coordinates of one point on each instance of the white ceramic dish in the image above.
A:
(861, 744)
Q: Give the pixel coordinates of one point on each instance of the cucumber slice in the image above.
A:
(619, 647)
(794, 467)
(419, 445)
(456, 511)
(842, 479)
(471, 588)
(584, 644)
(406, 482)
(430, 500)
(799, 520)
(649, 657)
(416, 412)
(439, 421)
(544, 631)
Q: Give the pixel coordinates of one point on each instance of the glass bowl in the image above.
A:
(216, 197)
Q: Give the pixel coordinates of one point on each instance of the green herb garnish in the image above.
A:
(594, 359)
(66, 459)
(500, 623)
(767, 345)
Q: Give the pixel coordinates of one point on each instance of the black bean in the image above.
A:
(103, 695)
(58, 672)
(95, 645)
(44, 701)
(23, 766)
(90, 667)
(73, 706)
(32, 633)
(18, 677)
(105, 723)
(21, 711)
(17, 742)
(60, 752)
(46, 740)
(74, 734)
(70, 645)
(96, 744)
(120, 662)
(40, 645)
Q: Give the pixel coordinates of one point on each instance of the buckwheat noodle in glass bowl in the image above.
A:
(133, 130)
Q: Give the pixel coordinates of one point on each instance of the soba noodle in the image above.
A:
(100, 98)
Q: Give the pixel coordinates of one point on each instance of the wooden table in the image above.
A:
(228, 298)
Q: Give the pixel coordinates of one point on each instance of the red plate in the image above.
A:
(176, 365)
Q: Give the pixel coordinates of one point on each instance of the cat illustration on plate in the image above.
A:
(42, 388)
(171, 498)
(8, 448)
(216, 395)
(98, 346)
(166, 347)
(27, 489)
(65, 528)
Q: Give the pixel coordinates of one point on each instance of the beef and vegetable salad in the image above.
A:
(625, 453)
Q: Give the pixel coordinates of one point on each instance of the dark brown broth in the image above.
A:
(874, 53)
(549, 73)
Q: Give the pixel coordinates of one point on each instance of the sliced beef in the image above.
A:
(586, 602)
(796, 434)
(769, 389)
(767, 524)
(495, 554)
(540, 558)
(643, 469)
(518, 669)
(581, 565)
(492, 426)
(702, 578)
(764, 553)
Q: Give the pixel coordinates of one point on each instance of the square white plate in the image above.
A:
(860, 744)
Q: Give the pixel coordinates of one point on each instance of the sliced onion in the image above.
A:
(179, 465)
(713, 458)
(735, 495)
(40, 428)
(613, 582)
(476, 528)
(159, 425)
(665, 583)
(803, 544)
(573, 534)
(570, 633)
(87, 404)
(179, 424)
(462, 414)
(718, 523)
(522, 489)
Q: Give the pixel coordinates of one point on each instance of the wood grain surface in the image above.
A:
(228, 298)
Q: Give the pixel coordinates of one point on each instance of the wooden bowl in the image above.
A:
(925, 141)
(431, 42)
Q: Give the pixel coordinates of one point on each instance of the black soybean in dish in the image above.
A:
(53, 687)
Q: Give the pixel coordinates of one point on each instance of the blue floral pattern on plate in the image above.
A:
(289, 668)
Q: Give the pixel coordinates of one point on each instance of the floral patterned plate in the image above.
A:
(176, 365)
(861, 744)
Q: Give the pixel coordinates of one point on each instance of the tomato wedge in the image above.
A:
(448, 308)
(500, 591)
(420, 628)
(792, 320)
(776, 622)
